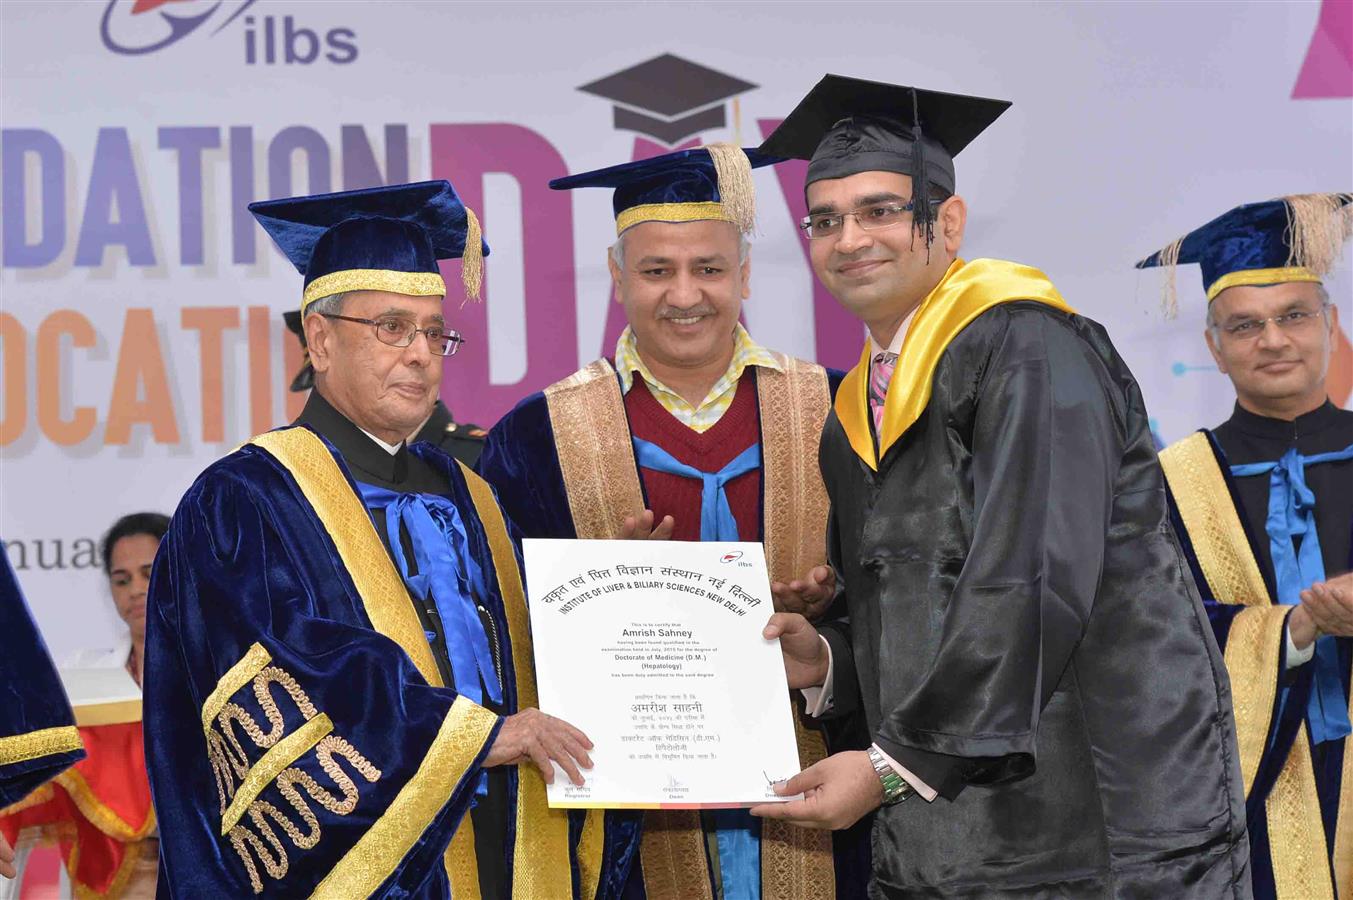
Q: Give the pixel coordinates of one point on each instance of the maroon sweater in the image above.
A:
(679, 497)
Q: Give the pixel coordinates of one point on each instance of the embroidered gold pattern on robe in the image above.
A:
(596, 457)
(592, 436)
(240, 784)
(795, 862)
(1296, 834)
(391, 612)
(542, 847)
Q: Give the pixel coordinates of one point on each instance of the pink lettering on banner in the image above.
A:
(1328, 69)
(838, 336)
(463, 154)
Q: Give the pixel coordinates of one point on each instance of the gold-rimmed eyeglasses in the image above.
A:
(398, 332)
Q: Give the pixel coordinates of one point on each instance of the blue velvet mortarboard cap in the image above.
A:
(1293, 238)
(385, 238)
(712, 182)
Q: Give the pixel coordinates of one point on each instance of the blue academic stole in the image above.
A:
(1291, 515)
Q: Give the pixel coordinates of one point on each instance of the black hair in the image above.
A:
(151, 523)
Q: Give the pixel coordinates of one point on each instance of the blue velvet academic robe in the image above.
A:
(1248, 438)
(521, 461)
(38, 739)
(248, 563)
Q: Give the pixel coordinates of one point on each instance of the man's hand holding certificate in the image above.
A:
(654, 649)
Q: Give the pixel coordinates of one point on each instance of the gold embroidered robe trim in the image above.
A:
(98, 813)
(390, 838)
(541, 853)
(592, 437)
(255, 659)
(17, 748)
(278, 757)
(601, 479)
(1253, 656)
(348, 524)
(390, 610)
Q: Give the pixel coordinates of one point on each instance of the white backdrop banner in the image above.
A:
(141, 333)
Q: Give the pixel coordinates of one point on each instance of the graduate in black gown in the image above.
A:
(1264, 507)
(1033, 658)
(339, 691)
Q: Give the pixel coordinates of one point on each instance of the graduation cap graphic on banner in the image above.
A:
(668, 98)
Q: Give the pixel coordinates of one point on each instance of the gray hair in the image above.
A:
(618, 250)
(332, 305)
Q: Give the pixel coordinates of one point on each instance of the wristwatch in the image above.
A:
(895, 787)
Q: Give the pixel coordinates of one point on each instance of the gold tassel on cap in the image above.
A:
(1317, 226)
(472, 258)
(737, 193)
(1169, 261)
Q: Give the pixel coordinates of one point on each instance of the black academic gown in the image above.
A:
(402, 471)
(1026, 636)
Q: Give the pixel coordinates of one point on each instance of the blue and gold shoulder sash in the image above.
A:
(1253, 656)
(541, 850)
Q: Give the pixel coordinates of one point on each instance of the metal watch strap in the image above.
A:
(895, 787)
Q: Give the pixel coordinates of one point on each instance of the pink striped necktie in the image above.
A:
(880, 373)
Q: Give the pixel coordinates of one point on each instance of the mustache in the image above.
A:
(668, 312)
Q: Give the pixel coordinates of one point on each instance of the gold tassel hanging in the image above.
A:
(1317, 226)
(472, 259)
(737, 193)
(1168, 259)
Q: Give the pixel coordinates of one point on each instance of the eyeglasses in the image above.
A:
(1295, 320)
(874, 217)
(399, 332)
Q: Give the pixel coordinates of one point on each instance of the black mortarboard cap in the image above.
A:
(845, 126)
(668, 98)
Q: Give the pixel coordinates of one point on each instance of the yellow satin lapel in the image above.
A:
(966, 291)
(852, 409)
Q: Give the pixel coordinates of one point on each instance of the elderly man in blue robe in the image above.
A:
(340, 699)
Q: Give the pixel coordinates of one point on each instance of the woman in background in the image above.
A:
(99, 811)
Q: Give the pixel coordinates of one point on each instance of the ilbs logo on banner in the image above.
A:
(138, 27)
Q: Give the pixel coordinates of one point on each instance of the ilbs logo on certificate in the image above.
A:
(654, 649)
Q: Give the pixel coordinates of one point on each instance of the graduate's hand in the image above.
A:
(640, 528)
(532, 736)
(802, 648)
(7, 867)
(837, 792)
(809, 596)
(1330, 604)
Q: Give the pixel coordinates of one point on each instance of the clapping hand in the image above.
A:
(809, 596)
(1330, 605)
(640, 528)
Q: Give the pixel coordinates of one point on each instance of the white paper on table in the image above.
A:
(101, 695)
(654, 650)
